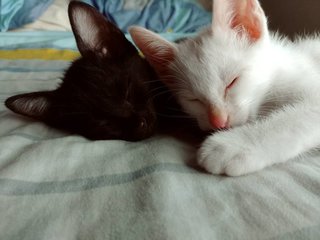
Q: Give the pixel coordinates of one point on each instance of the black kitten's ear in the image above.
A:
(34, 105)
(94, 34)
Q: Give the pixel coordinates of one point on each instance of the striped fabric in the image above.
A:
(41, 54)
(54, 185)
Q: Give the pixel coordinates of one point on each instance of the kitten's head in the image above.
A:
(104, 93)
(218, 76)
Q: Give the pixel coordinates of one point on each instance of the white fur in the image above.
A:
(274, 107)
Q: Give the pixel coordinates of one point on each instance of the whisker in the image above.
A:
(174, 116)
(159, 94)
(158, 88)
(152, 81)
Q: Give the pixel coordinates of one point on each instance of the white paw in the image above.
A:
(230, 153)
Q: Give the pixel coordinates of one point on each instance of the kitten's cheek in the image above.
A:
(200, 115)
(239, 120)
(204, 125)
(238, 116)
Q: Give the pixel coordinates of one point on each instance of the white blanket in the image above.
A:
(56, 186)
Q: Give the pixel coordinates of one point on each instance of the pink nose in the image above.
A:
(218, 119)
(218, 122)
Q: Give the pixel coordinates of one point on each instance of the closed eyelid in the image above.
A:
(127, 92)
(233, 82)
(230, 86)
(191, 97)
(196, 101)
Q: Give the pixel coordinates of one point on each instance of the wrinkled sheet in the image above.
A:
(182, 16)
(16, 13)
(59, 186)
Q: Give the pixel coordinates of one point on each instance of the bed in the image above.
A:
(55, 185)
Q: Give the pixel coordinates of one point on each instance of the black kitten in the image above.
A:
(104, 93)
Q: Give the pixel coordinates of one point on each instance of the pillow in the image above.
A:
(181, 16)
(15, 13)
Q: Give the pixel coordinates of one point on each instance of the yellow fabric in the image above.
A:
(42, 54)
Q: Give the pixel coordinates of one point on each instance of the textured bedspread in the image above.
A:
(57, 186)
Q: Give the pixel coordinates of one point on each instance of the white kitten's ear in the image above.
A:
(94, 34)
(242, 16)
(34, 105)
(158, 51)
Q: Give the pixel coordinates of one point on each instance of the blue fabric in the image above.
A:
(16, 13)
(184, 16)
(53, 39)
(8, 10)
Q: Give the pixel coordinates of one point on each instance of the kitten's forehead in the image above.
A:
(205, 64)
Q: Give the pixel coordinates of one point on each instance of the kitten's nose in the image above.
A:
(219, 119)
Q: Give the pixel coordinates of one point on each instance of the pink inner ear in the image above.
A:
(251, 26)
(156, 50)
(247, 19)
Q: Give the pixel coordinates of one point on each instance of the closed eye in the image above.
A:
(195, 101)
(234, 81)
(128, 90)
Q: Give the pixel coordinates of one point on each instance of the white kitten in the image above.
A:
(237, 76)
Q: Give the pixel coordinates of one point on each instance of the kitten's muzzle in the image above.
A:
(218, 119)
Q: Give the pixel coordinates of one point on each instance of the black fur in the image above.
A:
(104, 94)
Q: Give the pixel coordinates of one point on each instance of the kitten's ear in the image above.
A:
(242, 16)
(94, 34)
(158, 51)
(34, 105)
